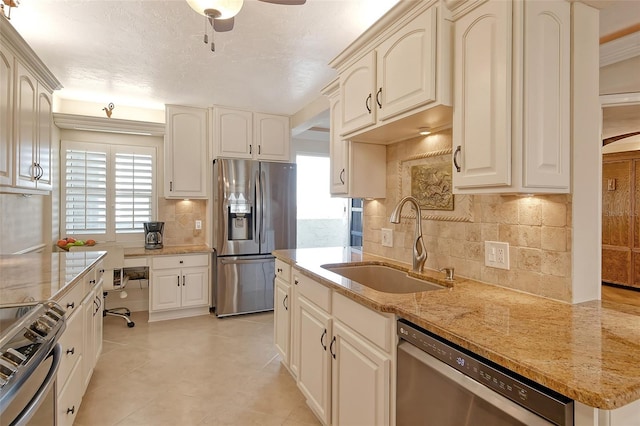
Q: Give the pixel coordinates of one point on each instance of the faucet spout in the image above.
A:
(419, 249)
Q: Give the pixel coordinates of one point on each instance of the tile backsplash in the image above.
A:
(538, 230)
(179, 217)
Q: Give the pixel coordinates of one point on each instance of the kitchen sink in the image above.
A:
(383, 278)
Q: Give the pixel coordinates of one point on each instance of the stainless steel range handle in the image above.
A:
(44, 389)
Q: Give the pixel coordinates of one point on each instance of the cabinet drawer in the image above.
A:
(71, 300)
(70, 397)
(71, 344)
(283, 270)
(313, 291)
(165, 262)
(376, 327)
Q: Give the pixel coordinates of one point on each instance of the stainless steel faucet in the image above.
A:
(419, 249)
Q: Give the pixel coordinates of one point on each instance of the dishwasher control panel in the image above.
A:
(546, 402)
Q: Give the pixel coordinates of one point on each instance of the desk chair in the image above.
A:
(114, 279)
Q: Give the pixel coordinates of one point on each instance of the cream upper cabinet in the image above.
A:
(338, 148)
(6, 116)
(185, 152)
(233, 133)
(512, 87)
(245, 134)
(406, 67)
(399, 74)
(32, 131)
(352, 163)
(357, 89)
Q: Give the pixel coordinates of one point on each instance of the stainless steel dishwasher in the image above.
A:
(439, 383)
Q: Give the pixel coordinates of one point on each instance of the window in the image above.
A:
(107, 189)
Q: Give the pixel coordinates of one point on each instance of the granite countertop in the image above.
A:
(586, 351)
(37, 277)
(166, 250)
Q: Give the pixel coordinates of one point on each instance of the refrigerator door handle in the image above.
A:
(259, 210)
(262, 209)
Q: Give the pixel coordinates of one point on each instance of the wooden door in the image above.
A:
(617, 187)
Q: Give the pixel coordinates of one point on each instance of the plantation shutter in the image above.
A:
(133, 191)
(85, 192)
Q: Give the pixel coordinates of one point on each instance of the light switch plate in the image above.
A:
(198, 224)
(496, 254)
(387, 237)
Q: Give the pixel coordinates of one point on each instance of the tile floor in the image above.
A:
(193, 371)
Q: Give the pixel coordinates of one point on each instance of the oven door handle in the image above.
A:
(26, 414)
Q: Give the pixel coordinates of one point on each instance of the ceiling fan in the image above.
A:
(221, 13)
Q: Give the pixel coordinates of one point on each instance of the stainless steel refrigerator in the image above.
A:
(254, 213)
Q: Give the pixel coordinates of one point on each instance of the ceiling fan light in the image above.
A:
(226, 8)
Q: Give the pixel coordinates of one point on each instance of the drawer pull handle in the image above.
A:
(101, 271)
(92, 281)
(71, 305)
(324, 346)
(71, 351)
(279, 270)
(182, 261)
(295, 281)
(455, 158)
(333, 341)
(71, 410)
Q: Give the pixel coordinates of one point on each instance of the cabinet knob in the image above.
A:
(182, 261)
(295, 282)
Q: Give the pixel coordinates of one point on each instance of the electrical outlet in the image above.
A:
(198, 224)
(496, 254)
(387, 237)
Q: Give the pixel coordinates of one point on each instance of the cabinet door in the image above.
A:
(70, 397)
(338, 151)
(97, 323)
(357, 91)
(406, 65)
(272, 134)
(185, 152)
(44, 139)
(482, 116)
(234, 133)
(546, 84)
(88, 339)
(195, 287)
(166, 289)
(361, 379)
(6, 116)
(314, 368)
(25, 127)
(282, 318)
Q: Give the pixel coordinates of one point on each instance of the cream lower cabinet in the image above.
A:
(345, 355)
(179, 286)
(81, 343)
(282, 309)
(361, 375)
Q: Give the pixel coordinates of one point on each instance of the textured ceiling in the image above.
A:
(151, 52)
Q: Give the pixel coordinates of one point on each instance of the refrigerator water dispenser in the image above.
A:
(240, 222)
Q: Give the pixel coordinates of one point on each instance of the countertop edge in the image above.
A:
(623, 395)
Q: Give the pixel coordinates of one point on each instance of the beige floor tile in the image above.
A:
(193, 371)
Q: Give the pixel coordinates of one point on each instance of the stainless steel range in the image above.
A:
(29, 360)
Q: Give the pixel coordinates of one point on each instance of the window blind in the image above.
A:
(133, 191)
(86, 192)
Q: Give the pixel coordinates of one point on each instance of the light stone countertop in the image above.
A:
(166, 250)
(588, 351)
(37, 277)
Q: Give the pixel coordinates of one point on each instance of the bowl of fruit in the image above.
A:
(67, 243)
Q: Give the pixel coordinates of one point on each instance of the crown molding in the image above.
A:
(620, 49)
(108, 125)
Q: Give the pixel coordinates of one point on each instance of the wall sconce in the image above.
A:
(424, 131)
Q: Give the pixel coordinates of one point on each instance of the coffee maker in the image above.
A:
(153, 235)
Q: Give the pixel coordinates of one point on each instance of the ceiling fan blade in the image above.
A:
(223, 25)
(286, 2)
